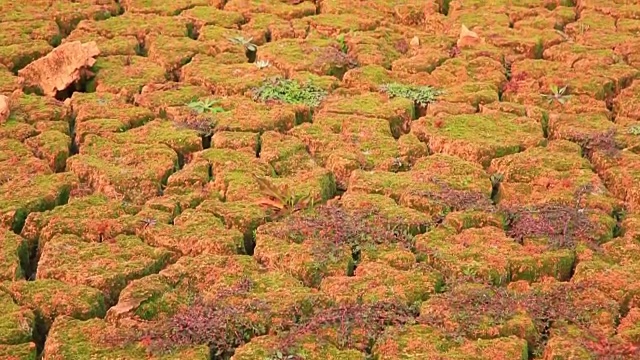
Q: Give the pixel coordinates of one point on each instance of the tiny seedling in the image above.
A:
(342, 43)
(289, 91)
(205, 106)
(261, 64)
(246, 43)
(634, 130)
(282, 199)
(557, 94)
(421, 95)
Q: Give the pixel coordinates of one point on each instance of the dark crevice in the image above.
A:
(206, 141)
(193, 31)
(444, 7)
(496, 179)
(73, 147)
(79, 85)
(40, 333)
(249, 238)
(258, 146)
(141, 48)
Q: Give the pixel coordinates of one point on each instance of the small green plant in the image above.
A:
(634, 130)
(289, 91)
(246, 43)
(261, 64)
(421, 95)
(205, 106)
(557, 94)
(283, 200)
(342, 43)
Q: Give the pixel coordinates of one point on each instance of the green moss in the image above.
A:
(16, 323)
(26, 351)
(14, 257)
(105, 266)
(210, 15)
(124, 74)
(17, 56)
(51, 298)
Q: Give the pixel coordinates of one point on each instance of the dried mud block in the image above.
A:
(26, 351)
(210, 15)
(220, 286)
(33, 193)
(627, 104)
(95, 338)
(62, 67)
(183, 141)
(614, 271)
(487, 254)
(319, 56)
(286, 154)
(236, 140)
(195, 233)
(124, 75)
(134, 172)
(14, 256)
(456, 71)
(17, 56)
(162, 98)
(173, 52)
(92, 218)
(436, 185)
(221, 79)
(51, 299)
(422, 341)
(20, 32)
(478, 138)
(5, 108)
(133, 25)
(308, 346)
(107, 266)
(34, 109)
(243, 115)
(284, 10)
(52, 146)
(621, 174)
(8, 82)
(242, 215)
(397, 111)
(161, 7)
(17, 322)
(376, 282)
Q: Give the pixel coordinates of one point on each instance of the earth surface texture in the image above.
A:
(338, 179)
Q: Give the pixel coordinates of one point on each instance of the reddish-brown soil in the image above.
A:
(328, 179)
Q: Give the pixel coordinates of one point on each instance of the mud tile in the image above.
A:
(14, 257)
(431, 343)
(281, 9)
(194, 233)
(124, 75)
(69, 337)
(51, 299)
(375, 282)
(459, 135)
(234, 79)
(123, 171)
(17, 322)
(487, 254)
(107, 266)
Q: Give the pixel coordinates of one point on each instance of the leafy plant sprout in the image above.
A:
(557, 94)
(634, 130)
(421, 95)
(284, 200)
(289, 91)
(246, 43)
(261, 64)
(205, 106)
